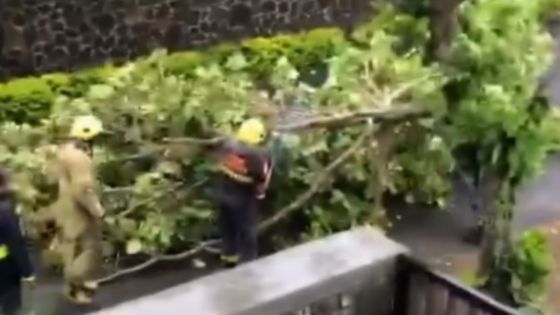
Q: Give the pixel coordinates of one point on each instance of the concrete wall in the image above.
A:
(360, 263)
(47, 35)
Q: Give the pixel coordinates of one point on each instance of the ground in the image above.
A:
(436, 239)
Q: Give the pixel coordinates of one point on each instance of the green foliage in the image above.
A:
(527, 310)
(413, 30)
(305, 50)
(144, 101)
(25, 100)
(531, 264)
(496, 61)
(551, 128)
(548, 9)
(30, 99)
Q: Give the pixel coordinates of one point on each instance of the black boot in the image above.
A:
(474, 235)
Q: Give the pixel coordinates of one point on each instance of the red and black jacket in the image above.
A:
(244, 169)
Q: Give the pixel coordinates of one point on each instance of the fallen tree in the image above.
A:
(141, 105)
(299, 201)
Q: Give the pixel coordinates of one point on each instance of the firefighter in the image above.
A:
(15, 264)
(244, 174)
(77, 212)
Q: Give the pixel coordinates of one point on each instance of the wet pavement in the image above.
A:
(432, 234)
(46, 298)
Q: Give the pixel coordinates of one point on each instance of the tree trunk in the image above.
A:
(380, 149)
(444, 25)
(497, 202)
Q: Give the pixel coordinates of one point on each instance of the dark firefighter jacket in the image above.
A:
(15, 263)
(243, 172)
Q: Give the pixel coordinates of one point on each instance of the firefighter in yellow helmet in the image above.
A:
(244, 173)
(77, 213)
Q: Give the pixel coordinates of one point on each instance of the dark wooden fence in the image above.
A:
(423, 291)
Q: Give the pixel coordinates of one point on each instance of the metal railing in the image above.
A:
(423, 291)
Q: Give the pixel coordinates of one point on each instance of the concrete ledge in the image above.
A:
(352, 261)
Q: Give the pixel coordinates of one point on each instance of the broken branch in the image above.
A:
(195, 141)
(373, 115)
(303, 198)
(155, 259)
(377, 115)
(164, 193)
(279, 216)
(327, 120)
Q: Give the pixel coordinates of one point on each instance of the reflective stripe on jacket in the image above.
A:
(235, 176)
(4, 251)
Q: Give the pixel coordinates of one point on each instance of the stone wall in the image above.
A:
(50, 35)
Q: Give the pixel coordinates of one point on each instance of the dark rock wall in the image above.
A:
(39, 36)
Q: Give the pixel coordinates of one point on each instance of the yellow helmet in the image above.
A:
(252, 131)
(86, 127)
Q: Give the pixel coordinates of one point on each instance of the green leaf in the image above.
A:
(169, 167)
(127, 226)
(134, 246)
(100, 92)
(236, 62)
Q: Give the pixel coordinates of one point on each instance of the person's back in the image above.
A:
(241, 171)
(77, 185)
(244, 173)
(78, 212)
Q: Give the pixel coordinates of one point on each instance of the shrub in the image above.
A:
(25, 100)
(304, 51)
(531, 263)
(30, 99)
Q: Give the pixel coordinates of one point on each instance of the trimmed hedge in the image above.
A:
(28, 100)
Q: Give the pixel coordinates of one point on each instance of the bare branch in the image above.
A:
(280, 215)
(303, 198)
(134, 157)
(155, 259)
(118, 190)
(161, 194)
(195, 141)
(405, 87)
(351, 117)
(378, 115)
(394, 115)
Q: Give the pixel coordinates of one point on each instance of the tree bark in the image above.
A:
(444, 25)
(498, 199)
(380, 149)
